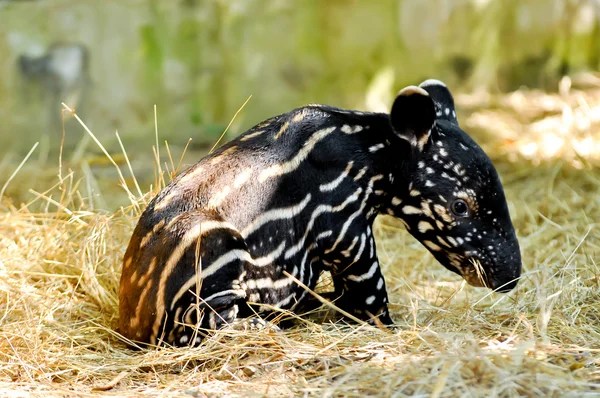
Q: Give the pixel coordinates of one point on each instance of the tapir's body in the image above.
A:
(296, 195)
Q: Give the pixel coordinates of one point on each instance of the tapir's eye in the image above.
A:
(460, 208)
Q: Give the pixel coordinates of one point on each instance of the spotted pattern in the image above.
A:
(296, 196)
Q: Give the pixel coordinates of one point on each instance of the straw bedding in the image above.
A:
(60, 264)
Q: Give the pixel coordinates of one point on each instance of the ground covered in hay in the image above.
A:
(60, 263)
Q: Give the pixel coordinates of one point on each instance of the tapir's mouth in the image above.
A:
(475, 275)
(476, 271)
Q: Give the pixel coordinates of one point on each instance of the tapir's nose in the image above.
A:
(507, 276)
(506, 266)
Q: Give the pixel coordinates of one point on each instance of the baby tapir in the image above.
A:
(296, 195)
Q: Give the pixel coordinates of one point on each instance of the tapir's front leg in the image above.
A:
(359, 284)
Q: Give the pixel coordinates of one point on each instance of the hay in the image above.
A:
(59, 270)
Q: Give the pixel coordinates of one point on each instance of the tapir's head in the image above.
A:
(455, 204)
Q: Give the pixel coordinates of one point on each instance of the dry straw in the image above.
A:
(60, 262)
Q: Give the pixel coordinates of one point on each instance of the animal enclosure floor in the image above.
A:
(60, 265)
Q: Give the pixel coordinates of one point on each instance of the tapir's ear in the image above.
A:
(413, 115)
(442, 98)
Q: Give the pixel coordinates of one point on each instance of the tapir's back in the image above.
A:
(246, 172)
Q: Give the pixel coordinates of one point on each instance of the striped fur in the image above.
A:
(299, 193)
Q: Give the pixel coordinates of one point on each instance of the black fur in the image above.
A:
(312, 181)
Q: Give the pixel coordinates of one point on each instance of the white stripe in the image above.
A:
(360, 248)
(232, 255)
(305, 291)
(192, 174)
(361, 173)
(367, 275)
(166, 200)
(269, 258)
(242, 178)
(376, 147)
(323, 235)
(226, 259)
(424, 226)
(268, 283)
(345, 228)
(303, 265)
(214, 267)
(330, 186)
(411, 210)
(182, 186)
(316, 213)
(275, 214)
(210, 225)
(346, 253)
(352, 130)
(237, 292)
(252, 135)
(301, 155)
(218, 198)
(254, 297)
(355, 214)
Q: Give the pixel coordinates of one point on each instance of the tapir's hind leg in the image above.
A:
(191, 279)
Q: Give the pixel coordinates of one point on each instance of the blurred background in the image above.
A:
(524, 73)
